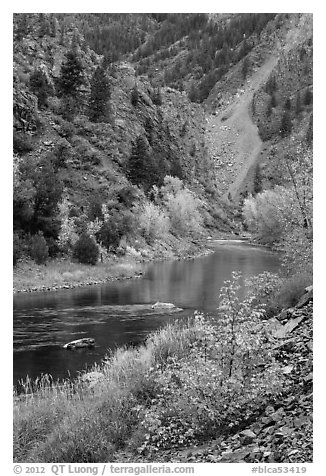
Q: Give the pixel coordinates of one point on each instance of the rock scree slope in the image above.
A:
(232, 138)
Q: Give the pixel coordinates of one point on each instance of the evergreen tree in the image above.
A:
(308, 97)
(86, 250)
(298, 105)
(134, 96)
(157, 97)
(71, 76)
(44, 25)
(287, 104)
(309, 135)
(286, 124)
(40, 87)
(245, 67)
(141, 168)
(100, 95)
(257, 180)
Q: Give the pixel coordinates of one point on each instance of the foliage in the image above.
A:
(37, 193)
(283, 216)
(157, 97)
(309, 134)
(173, 391)
(71, 76)
(142, 170)
(61, 154)
(288, 292)
(40, 86)
(115, 225)
(286, 124)
(18, 248)
(22, 143)
(49, 190)
(134, 98)
(182, 207)
(86, 250)
(152, 221)
(240, 337)
(99, 97)
(245, 67)
(307, 97)
(38, 248)
(68, 234)
(216, 383)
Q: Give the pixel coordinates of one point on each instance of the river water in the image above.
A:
(119, 313)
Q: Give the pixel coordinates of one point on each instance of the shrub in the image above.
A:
(61, 154)
(288, 292)
(153, 222)
(86, 250)
(116, 224)
(38, 248)
(182, 207)
(17, 248)
(66, 129)
(22, 143)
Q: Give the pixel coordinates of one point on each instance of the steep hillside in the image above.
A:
(108, 132)
(260, 116)
(90, 134)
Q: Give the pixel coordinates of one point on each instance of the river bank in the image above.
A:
(65, 274)
(171, 400)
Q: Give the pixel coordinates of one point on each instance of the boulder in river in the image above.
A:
(163, 305)
(80, 343)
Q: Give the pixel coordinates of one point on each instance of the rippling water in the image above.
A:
(120, 313)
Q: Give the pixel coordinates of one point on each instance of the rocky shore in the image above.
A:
(281, 430)
(58, 275)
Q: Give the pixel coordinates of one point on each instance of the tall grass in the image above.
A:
(170, 391)
(71, 421)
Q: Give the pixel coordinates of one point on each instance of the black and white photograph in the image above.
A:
(162, 241)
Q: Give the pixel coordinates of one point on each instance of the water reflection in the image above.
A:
(119, 313)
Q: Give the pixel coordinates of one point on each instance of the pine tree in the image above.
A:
(44, 25)
(134, 96)
(71, 77)
(157, 97)
(286, 124)
(308, 97)
(141, 167)
(287, 104)
(309, 135)
(40, 87)
(100, 95)
(298, 105)
(245, 67)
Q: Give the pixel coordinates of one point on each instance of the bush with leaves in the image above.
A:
(86, 250)
(115, 225)
(40, 86)
(22, 143)
(283, 216)
(18, 248)
(218, 381)
(152, 221)
(182, 207)
(38, 248)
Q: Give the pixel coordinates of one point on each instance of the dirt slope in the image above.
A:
(232, 138)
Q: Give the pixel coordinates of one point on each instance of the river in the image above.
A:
(119, 313)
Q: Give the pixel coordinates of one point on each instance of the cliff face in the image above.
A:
(256, 112)
(172, 126)
(272, 100)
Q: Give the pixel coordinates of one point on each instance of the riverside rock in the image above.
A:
(163, 305)
(80, 343)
